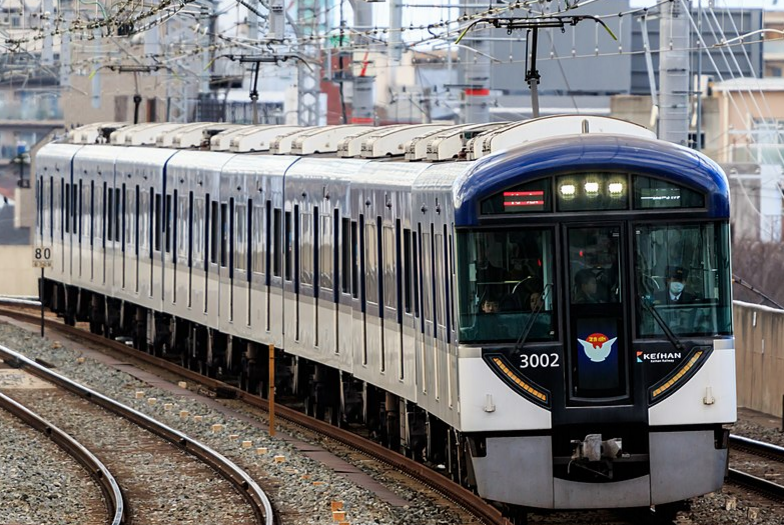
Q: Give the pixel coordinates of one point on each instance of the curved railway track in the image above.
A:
(762, 450)
(475, 505)
(103, 477)
(242, 482)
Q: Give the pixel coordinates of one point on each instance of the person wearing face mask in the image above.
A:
(675, 292)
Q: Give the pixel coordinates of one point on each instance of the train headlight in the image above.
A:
(615, 189)
(567, 191)
(592, 189)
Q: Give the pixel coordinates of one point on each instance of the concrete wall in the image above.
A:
(18, 277)
(759, 357)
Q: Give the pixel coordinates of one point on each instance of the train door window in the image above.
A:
(136, 223)
(416, 272)
(121, 225)
(232, 239)
(173, 205)
(288, 236)
(371, 264)
(439, 276)
(355, 266)
(50, 212)
(102, 225)
(189, 255)
(262, 246)
(158, 221)
(363, 287)
(117, 217)
(389, 287)
(277, 242)
(204, 244)
(597, 335)
(329, 253)
(224, 234)
(215, 233)
(109, 219)
(250, 231)
(346, 250)
(296, 245)
(241, 228)
(92, 212)
(80, 214)
(182, 228)
(307, 248)
(75, 208)
(428, 304)
(167, 223)
(67, 208)
(407, 269)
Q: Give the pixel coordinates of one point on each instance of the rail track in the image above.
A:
(240, 480)
(760, 450)
(464, 498)
(115, 504)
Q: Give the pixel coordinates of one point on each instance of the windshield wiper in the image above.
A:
(531, 318)
(662, 323)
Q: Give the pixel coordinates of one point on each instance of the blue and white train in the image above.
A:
(542, 307)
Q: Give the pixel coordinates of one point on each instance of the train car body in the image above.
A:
(552, 321)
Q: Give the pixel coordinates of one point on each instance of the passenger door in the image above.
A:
(598, 341)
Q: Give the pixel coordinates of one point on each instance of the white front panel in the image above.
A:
(481, 389)
(687, 406)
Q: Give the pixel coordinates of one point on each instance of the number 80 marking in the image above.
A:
(539, 360)
(43, 253)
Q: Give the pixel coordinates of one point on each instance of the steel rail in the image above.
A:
(97, 470)
(465, 498)
(763, 486)
(246, 486)
(755, 447)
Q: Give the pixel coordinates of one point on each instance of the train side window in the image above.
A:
(326, 251)
(336, 254)
(215, 233)
(416, 270)
(241, 229)
(398, 270)
(109, 219)
(190, 230)
(261, 245)
(79, 212)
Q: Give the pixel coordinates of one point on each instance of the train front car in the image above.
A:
(597, 361)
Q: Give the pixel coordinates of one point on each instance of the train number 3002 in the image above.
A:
(539, 360)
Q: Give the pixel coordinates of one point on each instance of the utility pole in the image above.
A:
(674, 71)
(364, 84)
(308, 78)
(475, 71)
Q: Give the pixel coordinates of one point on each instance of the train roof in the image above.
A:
(418, 142)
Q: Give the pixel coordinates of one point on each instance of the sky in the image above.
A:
(777, 5)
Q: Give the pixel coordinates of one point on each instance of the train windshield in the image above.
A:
(683, 273)
(506, 276)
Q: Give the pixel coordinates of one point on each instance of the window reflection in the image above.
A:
(683, 271)
(504, 277)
